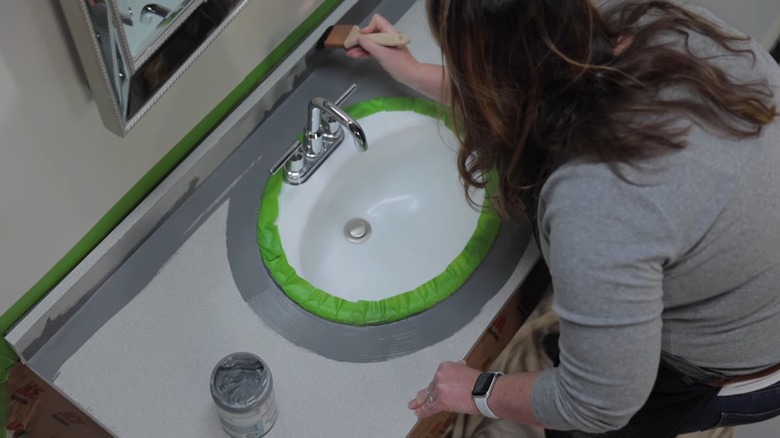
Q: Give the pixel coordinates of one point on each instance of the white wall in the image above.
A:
(758, 18)
(60, 169)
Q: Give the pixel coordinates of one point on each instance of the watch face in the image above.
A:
(483, 384)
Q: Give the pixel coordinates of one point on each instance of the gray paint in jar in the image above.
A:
(242, 389)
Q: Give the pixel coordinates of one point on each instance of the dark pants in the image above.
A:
(679, 405)
(734, 410)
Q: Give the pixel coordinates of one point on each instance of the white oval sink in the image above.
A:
(368, 226)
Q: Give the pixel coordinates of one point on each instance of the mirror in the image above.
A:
(133, 50)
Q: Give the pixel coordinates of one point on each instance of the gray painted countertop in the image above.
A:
(145, 372)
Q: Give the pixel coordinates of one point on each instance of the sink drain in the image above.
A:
(357, 230)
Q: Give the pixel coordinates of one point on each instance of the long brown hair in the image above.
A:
(534, 83)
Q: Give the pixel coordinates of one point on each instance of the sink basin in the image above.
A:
(376, 236)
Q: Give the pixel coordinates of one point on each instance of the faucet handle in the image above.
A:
(345, 95)
(296, 148)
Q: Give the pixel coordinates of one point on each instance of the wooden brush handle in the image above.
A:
(389, 39)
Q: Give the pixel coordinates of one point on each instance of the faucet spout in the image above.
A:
(324, 132)
(320, 105)
(361, 142)
(153, 9)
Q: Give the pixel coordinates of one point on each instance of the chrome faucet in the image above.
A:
(153, 9)
(127, 17)
(323, 134)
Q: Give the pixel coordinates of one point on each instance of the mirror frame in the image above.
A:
(79, 21)
(134, 63)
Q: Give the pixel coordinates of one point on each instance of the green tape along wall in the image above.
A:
(54, 134)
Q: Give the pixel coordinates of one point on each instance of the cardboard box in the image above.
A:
(493, 341)
(35, 409)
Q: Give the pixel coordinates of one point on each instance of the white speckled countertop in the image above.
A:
(146, 371)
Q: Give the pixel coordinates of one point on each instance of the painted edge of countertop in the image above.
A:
(33, 308)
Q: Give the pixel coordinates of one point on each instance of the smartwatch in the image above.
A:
(481, 392)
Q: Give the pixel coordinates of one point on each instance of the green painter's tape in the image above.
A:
(391, 309)
(160, 170)
(146, 184)
(4, 399)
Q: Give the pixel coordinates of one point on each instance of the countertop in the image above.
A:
(145, 370)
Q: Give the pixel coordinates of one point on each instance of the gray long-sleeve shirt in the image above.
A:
(687, 261)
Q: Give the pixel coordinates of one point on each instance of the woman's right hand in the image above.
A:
(398, 61)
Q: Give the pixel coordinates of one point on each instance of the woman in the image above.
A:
(643, 140)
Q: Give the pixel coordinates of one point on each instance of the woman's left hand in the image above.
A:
(450, 391)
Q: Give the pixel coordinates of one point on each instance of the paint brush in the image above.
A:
(345, 36)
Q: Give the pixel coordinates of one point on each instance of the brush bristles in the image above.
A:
(341, 36)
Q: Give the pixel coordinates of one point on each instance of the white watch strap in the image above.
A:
(482, 402)
(483, 407)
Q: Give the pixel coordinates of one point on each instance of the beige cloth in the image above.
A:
(525, 353)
